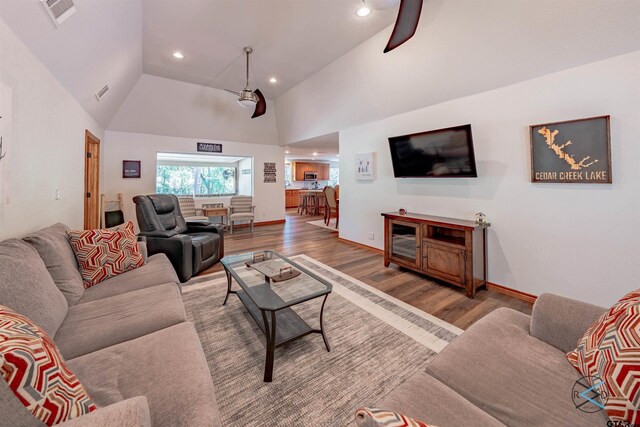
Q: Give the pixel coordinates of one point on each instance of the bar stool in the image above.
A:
(302, 203)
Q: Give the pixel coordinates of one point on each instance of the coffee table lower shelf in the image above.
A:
(290, 325)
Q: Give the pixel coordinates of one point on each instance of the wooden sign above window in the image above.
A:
(208, 147)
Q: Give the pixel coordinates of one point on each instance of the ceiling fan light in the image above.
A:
(246, 103)
(363, 11)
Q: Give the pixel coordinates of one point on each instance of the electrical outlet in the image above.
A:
(372, 236)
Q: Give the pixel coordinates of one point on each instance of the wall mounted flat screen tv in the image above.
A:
(441, 153)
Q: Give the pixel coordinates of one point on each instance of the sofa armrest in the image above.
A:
(142, 246)
(132, 412)
(561, 321)
(179, 250)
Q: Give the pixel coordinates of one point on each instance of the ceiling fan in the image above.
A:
(406, 22)
(248, 98)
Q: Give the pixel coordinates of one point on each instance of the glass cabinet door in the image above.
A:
(404, 239)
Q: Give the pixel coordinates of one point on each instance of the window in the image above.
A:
(287, 174)
(334, 176)
(196, 180)
(197, 175)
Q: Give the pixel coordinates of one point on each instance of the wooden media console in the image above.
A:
(449, 249)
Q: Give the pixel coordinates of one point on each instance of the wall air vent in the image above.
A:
(102, 92)
(59, 10)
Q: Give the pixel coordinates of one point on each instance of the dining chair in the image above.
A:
(188, 209)
(241, 209)
(331, 206)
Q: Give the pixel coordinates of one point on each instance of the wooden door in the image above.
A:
(447, 262)
(91, 181)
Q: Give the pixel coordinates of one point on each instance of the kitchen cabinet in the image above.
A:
(299, 169)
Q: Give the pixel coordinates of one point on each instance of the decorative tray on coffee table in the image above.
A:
(272, 269)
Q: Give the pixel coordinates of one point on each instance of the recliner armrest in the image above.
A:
(561, 321)
(205, 227)
(159, 233)
(179, 249)
(133, 412)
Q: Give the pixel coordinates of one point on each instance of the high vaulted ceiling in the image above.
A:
(115, 41)
(292, 39)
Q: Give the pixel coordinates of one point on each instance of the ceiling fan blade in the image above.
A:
(261, 106)
(406, 23)
(235, 92)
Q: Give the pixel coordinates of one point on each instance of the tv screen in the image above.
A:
(441, 153)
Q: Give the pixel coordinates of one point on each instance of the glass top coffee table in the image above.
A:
(269, 301)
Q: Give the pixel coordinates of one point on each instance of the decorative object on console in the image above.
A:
(131, 168)
(373, 417)
(481, 218)
(573, 151)
(610, 352)
(365, 166)
(402, 211)
(36, 373)
(269, 172)
(105, 253)
(449, 249)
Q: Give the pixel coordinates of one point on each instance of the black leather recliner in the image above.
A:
(190, 246)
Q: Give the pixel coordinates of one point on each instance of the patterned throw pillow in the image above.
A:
(371, 417)
(33, 368)
(610, 350)
(105, 253)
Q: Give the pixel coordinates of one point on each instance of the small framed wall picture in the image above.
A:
(131, 168)
(573, 151)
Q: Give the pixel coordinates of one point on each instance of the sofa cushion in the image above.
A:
(610, 352)
(53, 247)
(35, 372)
(425, 398)
(167, 366)
(105, 253)
(516, 378)
(132, 412)
(157, 271)
(27, 287)
(99, 324)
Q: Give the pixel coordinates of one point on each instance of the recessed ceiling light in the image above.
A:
(273, 80)
(363, 11)
(315, 154)
(178, 55)
(286, 152)
(337, 155)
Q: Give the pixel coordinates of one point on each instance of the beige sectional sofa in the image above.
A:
(506, 369)
(127, 339)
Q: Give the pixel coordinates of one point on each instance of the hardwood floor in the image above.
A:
(297, 237)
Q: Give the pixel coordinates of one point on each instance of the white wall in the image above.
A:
(162, 106)
(461, 48)
(119, 146)
(46, 149)
(578, 240)
(245, 181)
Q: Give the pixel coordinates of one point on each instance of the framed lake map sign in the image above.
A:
(574, 151)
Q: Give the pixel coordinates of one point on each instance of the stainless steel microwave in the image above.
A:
(310, 176)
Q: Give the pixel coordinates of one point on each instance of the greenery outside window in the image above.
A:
(196, 179)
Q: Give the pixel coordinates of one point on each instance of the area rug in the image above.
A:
(320, 223)
(377, 342)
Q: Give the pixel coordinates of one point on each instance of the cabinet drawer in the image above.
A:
(444, 261)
